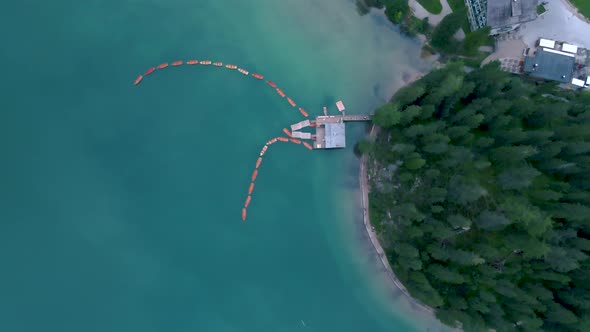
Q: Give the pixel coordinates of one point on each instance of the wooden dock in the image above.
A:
(330, 130)
(341, 118)
(356, 118)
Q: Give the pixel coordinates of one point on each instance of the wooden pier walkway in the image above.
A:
(330, 130)
(356, 118)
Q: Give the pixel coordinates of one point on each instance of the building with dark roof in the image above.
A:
(550, 65)
(500, 15)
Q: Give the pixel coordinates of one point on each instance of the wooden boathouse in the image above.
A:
(330, 130)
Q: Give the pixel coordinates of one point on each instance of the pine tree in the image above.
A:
(560, 315)
(388, 115)
(414, 161)
(489, 212)
(511, 154)
(517, 178)
(445, 275)
(409, 94)
(409, 114)
(463, 191)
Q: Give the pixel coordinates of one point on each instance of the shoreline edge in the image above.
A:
(364, 186)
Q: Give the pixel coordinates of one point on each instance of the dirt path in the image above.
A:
(512, 48)
(421, 13)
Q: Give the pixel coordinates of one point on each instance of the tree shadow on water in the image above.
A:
(363, 7)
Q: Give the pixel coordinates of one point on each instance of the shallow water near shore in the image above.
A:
(120, 205)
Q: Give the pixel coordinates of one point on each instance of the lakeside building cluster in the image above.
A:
(548, 60)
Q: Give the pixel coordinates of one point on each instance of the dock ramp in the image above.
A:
(298, 134)
(300, 125)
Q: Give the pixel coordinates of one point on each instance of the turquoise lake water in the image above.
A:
(120, 206)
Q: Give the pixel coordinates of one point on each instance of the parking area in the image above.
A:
(507, 49)
(558, 23)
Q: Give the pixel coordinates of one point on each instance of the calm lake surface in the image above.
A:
(120, 206)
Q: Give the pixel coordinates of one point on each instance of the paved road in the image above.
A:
(561, 22)
(421, 13)
(511, 48)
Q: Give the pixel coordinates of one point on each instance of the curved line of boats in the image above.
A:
(273, 85)
(243, 71)
(259, 162)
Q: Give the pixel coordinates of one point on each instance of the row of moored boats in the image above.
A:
(273, 85)
(259, 162)
(189, 62)
(218, 64)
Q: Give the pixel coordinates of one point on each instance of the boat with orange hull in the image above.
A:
(303, 112)
(192, 62)
(151, 70)
(218, 64)
(163, 65)
(177, 63)
(248, 199)
(251, 189)
(283, 139)
(291, 102)
(258, 76)
(258, 162)
(307, 145)
(272, 84)
(274, 140)
(231, 66)
(205, 62)
(138, 80)
(263, 150)
(294, 140)
(286, 131)
(312, 124)
(281, 93)
(244, 214)
(254, 175)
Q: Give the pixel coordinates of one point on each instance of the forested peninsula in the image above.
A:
(480, 196)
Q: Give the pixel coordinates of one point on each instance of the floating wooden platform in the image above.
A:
(330, 130)
(300, 125)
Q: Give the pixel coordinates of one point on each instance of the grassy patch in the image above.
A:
(583, 6)
(443, 33)
(459, 5)
(414, 26)
(432, 6)
(541, 9)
